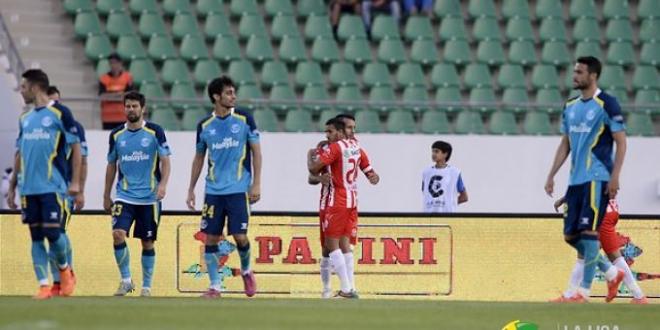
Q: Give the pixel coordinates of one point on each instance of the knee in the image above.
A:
(118, 237)
(241, 240)
(52, 233)
(212, 239)
(147, 245)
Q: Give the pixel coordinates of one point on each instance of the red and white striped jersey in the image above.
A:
(346, 159)
(325, 188)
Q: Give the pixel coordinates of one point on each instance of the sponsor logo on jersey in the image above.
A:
(225, 144)
(37, 134)
(136, 156)
(582, 128)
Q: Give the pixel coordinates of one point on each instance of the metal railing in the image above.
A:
(15, 62)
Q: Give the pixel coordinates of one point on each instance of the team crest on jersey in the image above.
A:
(591, 114)
(53, 215)
(571, 114)
(212, 131)
(235, 128)
(144, 142)
(46, 121)
(122, 143)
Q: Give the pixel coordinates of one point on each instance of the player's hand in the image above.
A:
(11, 199)
(190, 201)
(613, 187)
(558, 203)
(325, 178)
(107, 203)
(311, 155)
(322, 144)
(255, 193)
(373, 177)
(79, 201)
(160, 193)
(549, 186)
(74, 189)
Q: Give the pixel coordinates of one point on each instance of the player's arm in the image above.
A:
(462, 192)
(325, 158)
(312, 179)
(70, 132)
(79, 201)
(559, 203)
(110, 172)
(13, 182)
(560, 157)
(196, 168)
(365, 166)
(164, 163)
(619, 155)
(255, 188)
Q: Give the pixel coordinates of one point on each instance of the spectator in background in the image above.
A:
(414, 7)
(442, 184)
(112, 86)
(53, 93)
(390, 7)
(339, 7)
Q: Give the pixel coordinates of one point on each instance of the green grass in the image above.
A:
(231, 313)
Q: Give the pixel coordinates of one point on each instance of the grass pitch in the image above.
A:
(18, 313)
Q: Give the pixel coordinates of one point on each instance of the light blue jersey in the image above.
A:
(84, 151)
(589, 125)
(227, 140)
(43, 136)
(137, 154)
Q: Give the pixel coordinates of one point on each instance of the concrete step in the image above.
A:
(22, 29)
(46, 52)
(14, 15)
(43, 6)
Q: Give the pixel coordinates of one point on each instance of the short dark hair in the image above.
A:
(52, 90)
(337, 123)
(37, 77)
(345, 116)
(592, 63)
(217, 85)
(114, 56)
(444, 147)
(135, 96)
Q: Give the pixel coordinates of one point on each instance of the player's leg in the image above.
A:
(238, 218)
(324, 265)
(611, 244)
(212, 224)
(350, 235)
(571, 237)
(146, 229)
(52, 207)
(334, 225)
(122, 219)
(66, 216)
(31, 216)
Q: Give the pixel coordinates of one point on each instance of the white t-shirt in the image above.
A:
(441, 187)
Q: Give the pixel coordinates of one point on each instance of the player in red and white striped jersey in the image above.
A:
(324, 179)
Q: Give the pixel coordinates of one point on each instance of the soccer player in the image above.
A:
(233, 182)
(322, 178)
(70, 202)
(591, 124)
(442, 184)
(44, 133)
(139, 152)
(345, 157)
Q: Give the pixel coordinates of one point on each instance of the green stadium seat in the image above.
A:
(138, 7)
(73, 7)
(424, 52)
(119, 24)
(444, 75)
(385, 27)
(620, 94)
(316, 94)
(619, 30)
(549, 8)
(357, 51)
(205, 71)
(275, 8)
(292, 50)
(350, 27)
(298, 121)
(568, 78)
(184, 24)
(284, 26)
(522, 53)
(369, 121)
(282, 98)
(391, 51)
(216, 24)
(376, 74)
(414, 96)
(418, 27)
(477, 75)
(586, 29)
(209, 7)
(650, 54)
(639, 124)
(647, 9)
(143, 70)
(161, 48)
(469, 122)
(486, 28)
(451, 97)
(588, 48)
(511, 76)
(515, 9)
(87, 23)
(519, 29)
(479, 97)
(481, 8)
(266, 120)
(645, 77)
(545, 76)
(242, 72)
(129, 47)
(325, 51)
(616, 9)
(98, 47)
(346, 94)
(251, 25)
(226, 48)
(400, 121)
(154, 94)
(515, 100)
(193, 48)
(166, 118)
(503, 123)
(259, 50)
(582, 8)
(410, 74)
(556, 53)
(491, 53)
(621, 53)
(537, 123)
(452, 28)
(381, 98)
(151, 23)
(648, 101)
(176, 7)
(274, 73)
(243, 7)
(247, 94)
(549, 100)
(447, 8)
(102, 67)
(325, 116)
(457, 52)
(311, 8)
(191, 117)
(435, 122)
(317, 26)
(612, 77)
(308, 73)
(649, 30)
(552, 29)
(343, 74)
(174, 71)
(183, 95)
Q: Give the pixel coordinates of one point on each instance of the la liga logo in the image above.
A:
(520, 325)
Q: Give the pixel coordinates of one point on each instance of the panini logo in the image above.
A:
(136, 156)
(225, 144)
(582, 128)
(37, 134)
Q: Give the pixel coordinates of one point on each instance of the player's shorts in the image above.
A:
(42, 208)
(321, 218)
(339, 222)
(585, 207)
(146, 217)
(609, 239)
(234, 208)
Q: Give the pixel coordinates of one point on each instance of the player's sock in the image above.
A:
(211, 259)
(58, 245)
(591, 254)
(628, 278)
(69, 250)
(338, 261)
(325, 273)
(575, 243)
(123, 259)
(244, 254)
(40, 261)
(350, 269)
(54, 270)
(606, 267)
(148, 261)
(575, 279)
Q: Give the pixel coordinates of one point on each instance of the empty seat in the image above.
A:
(243, 8)
(284, 26)
(650, 54)
(176, 7)
(649, 30)
(325, 50)
(119, 24)
(274, 73)
(616, 9)
(316, 97)
(343, 74)
(298, 121)
(612, 77)
(102, 67)
(73, 7)
(400, 121)
(410, 74)
(242, 72)
(357, 51)
(369, 121)
(192, 117)
(150, 23)
(418, 27)
(376, 74)
(491, 53)
(216, 24)
(486, 28)
(226, 48)
(435, 122)
(209, 7)
(549, 8)
(350, 27)
(98, 47)
(161, 48)
(648, 101)
(416, 98)
(444, 75)
(259, 50)
(552, 29)
(449, 99)
(138, 7)
(193, 48)
(424, 52)
(275, 8)
(537, 123)
(385, 27)
(483, 99)
(515, 100)
(129, 47)
(87, 23)
(317, 26)
(325, 116)
(588, 48)
(555, 53)
(645, 77)
(481, 8)
(184, 24)
(582, 8)
(143, 70)
(247, 94)
(266, 120)
(251, 25)
(586, 29)
(545, 76)
(503, 122)
(166, 118)
(469, 122)
(381, 98)
(205, 71)
(457, 52)
(549, 100)
(292, 50)
(621, 53)
(308, 73)
(452, 28)
(511, 76)
(477, 76)
(648, 9)
(311, 8)
(639, 124)
(519, 29)
(183, 96)
(391, 51)
(282, 98)
(347, 98)
(619, 30)
(153, 91)
(515, 9)
(175, 71)
(522, 53)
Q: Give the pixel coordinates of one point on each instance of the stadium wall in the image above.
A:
(11, 106)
